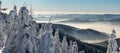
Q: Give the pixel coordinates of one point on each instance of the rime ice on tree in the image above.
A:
(70, 47)
(64, 45)
(112, 44)
(21, 30)
(75, 47)
(56, 43)
(46, 39)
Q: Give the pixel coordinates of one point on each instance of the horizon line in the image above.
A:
(52, 12)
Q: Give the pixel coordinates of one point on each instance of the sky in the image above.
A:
(67, 6)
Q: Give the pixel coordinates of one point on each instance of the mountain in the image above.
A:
(82, 34)
(76, 20)
(88, 48)
(83, 18)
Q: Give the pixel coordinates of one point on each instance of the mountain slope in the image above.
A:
(104, 44)
(88, 48)
(82, 34)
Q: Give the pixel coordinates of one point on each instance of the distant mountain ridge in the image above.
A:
(112, 18)
(85, 18)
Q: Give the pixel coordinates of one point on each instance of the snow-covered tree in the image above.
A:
(29, 31)
(75, 47)
(3, 31)
(70, 47)
(21, 32)
(46, 40)
(112, 44)
(64, 45)
(56, 42)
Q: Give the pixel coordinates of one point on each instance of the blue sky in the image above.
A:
(68, 6)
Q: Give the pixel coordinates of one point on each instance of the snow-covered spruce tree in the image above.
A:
(74, 47)
(21, 32)
(29, 31)
(70, 47)
(3, 33)
(45, 43)
(41, 31)
(56, 42)
(112, 44)
(64, 45)
(12, 30)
